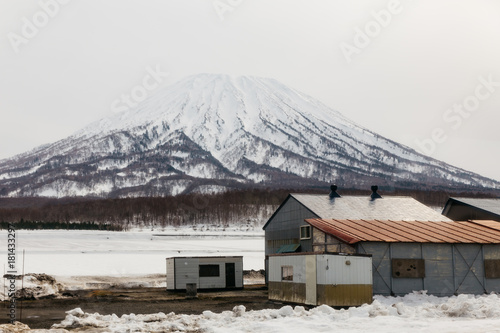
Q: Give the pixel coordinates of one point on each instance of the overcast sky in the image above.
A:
(423, 73)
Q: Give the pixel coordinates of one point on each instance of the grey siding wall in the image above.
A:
(450, 269)
(492, 252)
(284, 228)
(439, 271)
(170, 274)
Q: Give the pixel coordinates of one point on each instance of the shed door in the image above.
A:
(230, 275)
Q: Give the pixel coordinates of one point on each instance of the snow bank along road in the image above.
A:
(413, 313)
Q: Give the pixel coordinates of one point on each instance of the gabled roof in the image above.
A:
(354, 231)
(364, 208)
(488, 205)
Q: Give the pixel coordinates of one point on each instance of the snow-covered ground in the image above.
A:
(413, 313)
(94, 259)
(90, 259)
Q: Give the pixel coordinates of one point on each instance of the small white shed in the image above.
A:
(315, 279)
(205, 272)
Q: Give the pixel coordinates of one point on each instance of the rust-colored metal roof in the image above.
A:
(354, 231)
(488, 223)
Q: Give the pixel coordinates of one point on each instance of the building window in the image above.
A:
(492, 268)
(408, 268)
(209, 270)
(286, 273)
(305, 232)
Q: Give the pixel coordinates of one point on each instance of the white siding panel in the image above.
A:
(296, 261)
(186, 271)
(333, 269)
(311, 276)
(214, 281)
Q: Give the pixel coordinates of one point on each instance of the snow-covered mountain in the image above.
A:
(214, 132)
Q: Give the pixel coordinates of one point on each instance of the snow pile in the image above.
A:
(412, 313)
(17, 327)
(419, 304)
(106, 282)
(43, 285)
(39, 285)
(35, 286)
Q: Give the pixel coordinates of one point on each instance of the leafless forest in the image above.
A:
(250, 207)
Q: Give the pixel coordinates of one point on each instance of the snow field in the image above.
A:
(81, 259)
(415, 312)
(100, 259)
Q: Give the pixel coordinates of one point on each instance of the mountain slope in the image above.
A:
(212, 132)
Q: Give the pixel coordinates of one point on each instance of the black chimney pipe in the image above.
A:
(333, 192)
(374, 194)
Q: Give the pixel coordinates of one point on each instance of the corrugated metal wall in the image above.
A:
(492, 252)
(343, 270)
(285, 227)
(288, 291)
(449, 268)
(336, 280)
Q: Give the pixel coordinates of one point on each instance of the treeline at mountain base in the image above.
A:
(251, 208)
(40, 225)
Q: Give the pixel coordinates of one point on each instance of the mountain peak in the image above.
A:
(214, 131)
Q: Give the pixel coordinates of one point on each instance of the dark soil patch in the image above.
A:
(43, 313)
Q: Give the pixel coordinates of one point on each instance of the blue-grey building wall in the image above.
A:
(284, 227)
(450, 269)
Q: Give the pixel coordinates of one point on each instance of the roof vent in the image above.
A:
(375, 195)
(333, 192)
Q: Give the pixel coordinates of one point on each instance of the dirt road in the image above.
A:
(43, 313)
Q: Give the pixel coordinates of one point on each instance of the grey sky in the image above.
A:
(416, 68)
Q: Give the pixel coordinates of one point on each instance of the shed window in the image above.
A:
(408, 268)
(492, 268)
(286, 273)
(209, 270)
(305, 232)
